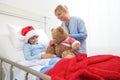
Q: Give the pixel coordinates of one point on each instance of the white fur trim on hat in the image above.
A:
(30, 34)
(75, 43)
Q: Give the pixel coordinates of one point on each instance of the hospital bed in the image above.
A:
(11, 56)
(99, 67)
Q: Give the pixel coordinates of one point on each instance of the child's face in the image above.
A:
(33, 40)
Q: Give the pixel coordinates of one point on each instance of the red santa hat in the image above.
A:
(28, 32)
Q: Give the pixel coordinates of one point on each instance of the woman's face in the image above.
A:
(61, 15)
(33, 40)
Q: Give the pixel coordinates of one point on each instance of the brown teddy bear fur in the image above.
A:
(68, 54)
(50, 49)
(59, 34)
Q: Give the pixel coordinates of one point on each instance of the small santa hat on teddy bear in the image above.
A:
(28, 32)
(71, 42)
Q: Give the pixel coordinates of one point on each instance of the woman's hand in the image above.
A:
(70, 35)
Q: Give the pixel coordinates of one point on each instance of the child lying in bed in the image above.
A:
(32, 48)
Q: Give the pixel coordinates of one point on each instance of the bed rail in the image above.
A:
(26, 69)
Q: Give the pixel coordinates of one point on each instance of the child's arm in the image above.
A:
(28, 53)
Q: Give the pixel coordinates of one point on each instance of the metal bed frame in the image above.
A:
(26, 69)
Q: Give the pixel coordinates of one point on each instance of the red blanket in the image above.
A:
(81, 67)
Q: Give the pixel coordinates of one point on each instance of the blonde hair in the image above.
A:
(60, 8)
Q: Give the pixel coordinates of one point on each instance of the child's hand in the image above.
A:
(47, 56)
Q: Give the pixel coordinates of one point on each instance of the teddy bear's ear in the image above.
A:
(60, 29)
(52, 29)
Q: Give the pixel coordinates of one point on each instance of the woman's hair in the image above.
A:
(61, 8)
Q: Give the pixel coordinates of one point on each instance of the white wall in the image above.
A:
(41, 7)
(104, 22)
(102, 18)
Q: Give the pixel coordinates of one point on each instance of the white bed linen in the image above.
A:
(34, 64)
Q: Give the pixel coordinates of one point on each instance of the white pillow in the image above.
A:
(17, 45)
(16, 38)
(43, 36)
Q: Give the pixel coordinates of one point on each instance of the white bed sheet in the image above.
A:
(34, 64)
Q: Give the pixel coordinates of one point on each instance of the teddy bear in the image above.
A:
(68, 54)
(61, 43)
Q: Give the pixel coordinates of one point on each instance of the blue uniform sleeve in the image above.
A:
(82, 33)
